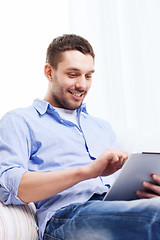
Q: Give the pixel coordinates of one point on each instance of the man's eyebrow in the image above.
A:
(78, 70)
(73, 69)
(91, 71)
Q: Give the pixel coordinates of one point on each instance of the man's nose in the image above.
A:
(81, 83)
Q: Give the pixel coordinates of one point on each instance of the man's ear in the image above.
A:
(48, 71)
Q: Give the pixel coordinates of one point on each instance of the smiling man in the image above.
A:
(55, 154)
(70, 81)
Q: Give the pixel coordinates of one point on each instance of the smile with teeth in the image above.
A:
(76, 94)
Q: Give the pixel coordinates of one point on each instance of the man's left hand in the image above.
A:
(151, 189)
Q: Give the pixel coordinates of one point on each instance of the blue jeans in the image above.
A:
(108, 220)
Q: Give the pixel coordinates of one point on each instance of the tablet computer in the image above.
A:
(137, 168)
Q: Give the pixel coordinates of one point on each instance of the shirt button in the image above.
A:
(80, 133)
(61, 120)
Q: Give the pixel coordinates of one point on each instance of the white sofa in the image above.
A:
(18, 222)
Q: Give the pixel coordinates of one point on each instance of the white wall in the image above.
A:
(26, 29)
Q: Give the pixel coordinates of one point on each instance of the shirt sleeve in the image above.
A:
(14, 156)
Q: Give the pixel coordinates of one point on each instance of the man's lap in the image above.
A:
(98, 220)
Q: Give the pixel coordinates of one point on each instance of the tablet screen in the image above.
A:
(138, 167)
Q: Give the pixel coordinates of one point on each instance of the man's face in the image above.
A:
(71, 80)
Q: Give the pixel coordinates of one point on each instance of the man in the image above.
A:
(55, 154)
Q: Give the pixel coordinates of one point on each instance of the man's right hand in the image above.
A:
(107, 163)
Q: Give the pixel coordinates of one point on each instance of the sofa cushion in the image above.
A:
(18, 222)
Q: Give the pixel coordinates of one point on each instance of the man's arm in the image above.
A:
(36, 186)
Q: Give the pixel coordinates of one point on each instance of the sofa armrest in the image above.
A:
(18, 222)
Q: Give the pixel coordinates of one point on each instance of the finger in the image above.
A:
(126, 154)
(143, 194)
(115, 158)
(156, 178)
(118, 164)
(124, 160)
(152, 187)
(122, 155)
(119, 153)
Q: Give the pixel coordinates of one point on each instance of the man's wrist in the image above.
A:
(85, 172)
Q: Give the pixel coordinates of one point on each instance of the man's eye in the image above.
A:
(72, 75)
(88, 76)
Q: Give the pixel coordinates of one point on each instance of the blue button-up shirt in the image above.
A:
(38, 139)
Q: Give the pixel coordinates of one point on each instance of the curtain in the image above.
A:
(126, 86)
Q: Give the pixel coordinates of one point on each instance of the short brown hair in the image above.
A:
(64, 43)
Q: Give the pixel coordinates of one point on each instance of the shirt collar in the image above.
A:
(42, 106)
(83, 108)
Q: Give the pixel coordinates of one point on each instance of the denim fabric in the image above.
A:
(106, 220)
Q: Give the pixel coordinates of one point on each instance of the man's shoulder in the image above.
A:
(20, 111)
(19, 114)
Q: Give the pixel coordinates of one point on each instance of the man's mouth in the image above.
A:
(77, 95)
